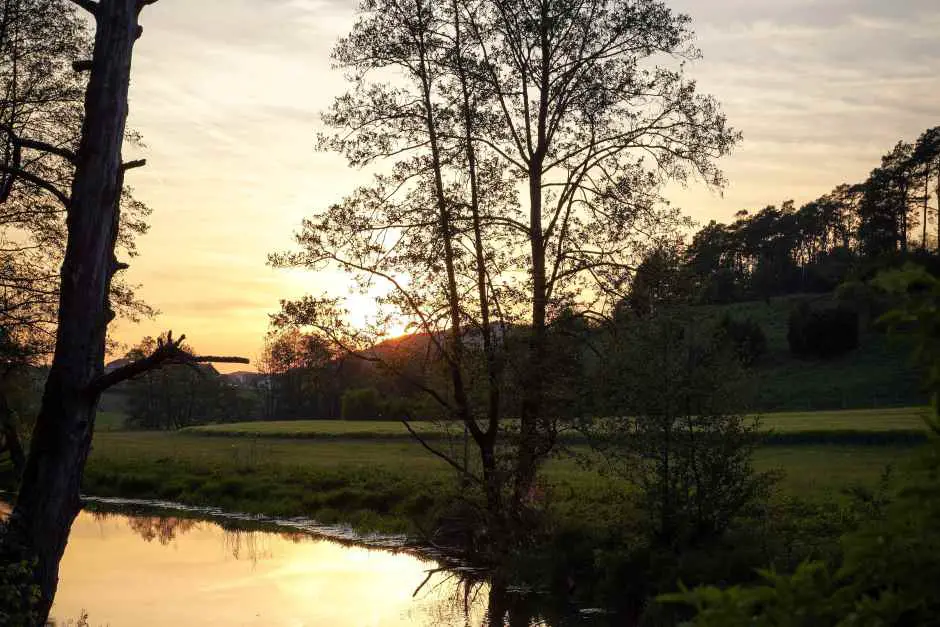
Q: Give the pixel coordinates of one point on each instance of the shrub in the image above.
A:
(681, 436)
(823, 333)
(747, 337)
(19, 595)
(887, 575)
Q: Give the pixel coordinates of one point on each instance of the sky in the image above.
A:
(228, 93)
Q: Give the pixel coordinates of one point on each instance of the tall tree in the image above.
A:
(926, 162)
(41, 114)
(48, 498)
(516, 188)
(886, 205)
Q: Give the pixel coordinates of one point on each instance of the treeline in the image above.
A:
(813, 248)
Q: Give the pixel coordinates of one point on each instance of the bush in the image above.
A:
(680, 434)
(19, 595)
(823, 333)
(887, 576)
(747, 337)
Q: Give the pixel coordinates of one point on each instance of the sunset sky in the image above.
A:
(227, 95)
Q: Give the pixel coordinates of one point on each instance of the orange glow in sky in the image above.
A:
(227, 95)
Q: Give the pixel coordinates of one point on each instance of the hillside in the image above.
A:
(879, 373)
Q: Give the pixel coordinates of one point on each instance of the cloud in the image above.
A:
(227, 94)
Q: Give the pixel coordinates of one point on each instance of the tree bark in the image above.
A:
(532, 403)
(48, 500)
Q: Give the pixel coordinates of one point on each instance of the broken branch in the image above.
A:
(138, 163)
(168, 352)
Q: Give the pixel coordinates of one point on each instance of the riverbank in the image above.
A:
(395, 486)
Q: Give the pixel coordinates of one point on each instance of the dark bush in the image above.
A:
(823, 333)
(747, 337)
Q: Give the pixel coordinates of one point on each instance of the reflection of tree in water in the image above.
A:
(240, 543)
(160, 528)
(245, 544)
(164, 529)
(469, 600)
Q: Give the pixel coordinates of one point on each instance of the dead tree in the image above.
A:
(48, 499)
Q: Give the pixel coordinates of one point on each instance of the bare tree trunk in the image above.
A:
(487, 444)
(526, 464)
(923, 241)
(48, 499)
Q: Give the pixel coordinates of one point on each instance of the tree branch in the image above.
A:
(441, 455)
(38, 182)
(168, 352)
(41, 146)
(88, 5)
(130, 165)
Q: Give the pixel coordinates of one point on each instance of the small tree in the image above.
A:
(747, 337)
(682, 435)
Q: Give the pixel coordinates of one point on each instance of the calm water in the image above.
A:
(162, 570)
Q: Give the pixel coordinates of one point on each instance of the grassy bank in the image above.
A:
(393, 485)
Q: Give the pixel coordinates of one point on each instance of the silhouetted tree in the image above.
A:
(926, 165)
(301, 376)
(41, 113)
(514, 189)
(48, 498)
(679, 429)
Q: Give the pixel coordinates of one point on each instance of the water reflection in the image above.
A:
(144, 569)
(164, 570)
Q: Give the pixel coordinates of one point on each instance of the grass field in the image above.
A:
(849, 426)
(109, 421)
(388, 484)
(374, 476)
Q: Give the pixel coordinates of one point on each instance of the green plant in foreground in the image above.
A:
(888, 573)
(890, 566)
(19, 594)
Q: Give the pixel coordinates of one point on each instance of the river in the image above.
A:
(161, 569)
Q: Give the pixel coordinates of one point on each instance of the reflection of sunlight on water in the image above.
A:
(137, 570)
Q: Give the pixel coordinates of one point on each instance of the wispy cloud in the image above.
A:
(228, 92)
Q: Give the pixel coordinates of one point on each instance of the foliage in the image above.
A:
(890, 564)
(41, 106)
(301, 376)
(887, 574)
(747, 337)
(659, 280)
(820, 245)
(682, 435)
(362, 404)
(19, 594)
(823, 333)
(179, 395)
(918, 313)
